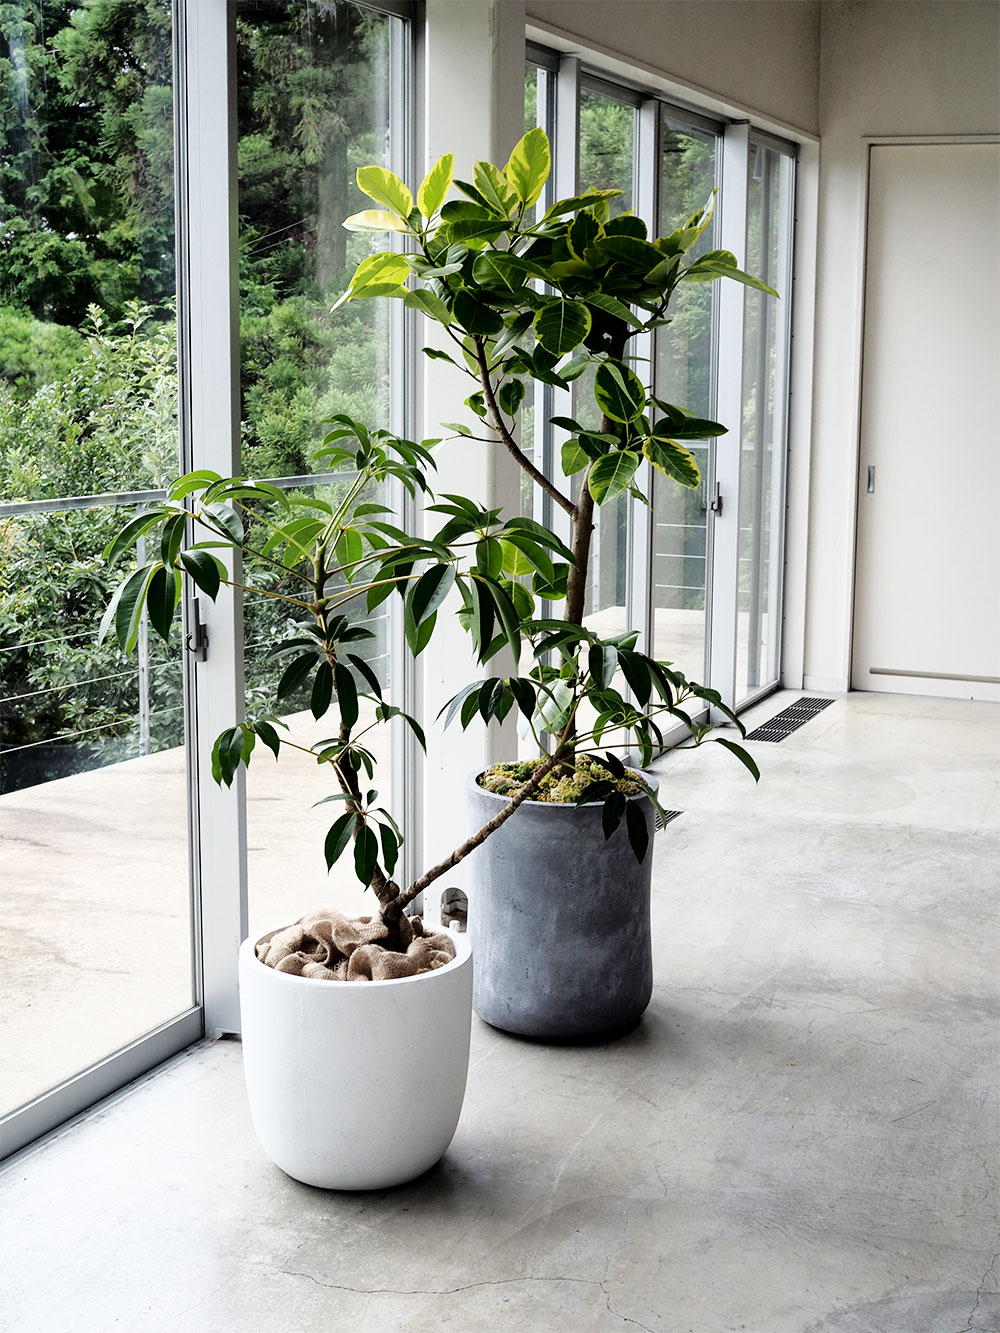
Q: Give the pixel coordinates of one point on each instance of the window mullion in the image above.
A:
(726, 522)
(209, 377)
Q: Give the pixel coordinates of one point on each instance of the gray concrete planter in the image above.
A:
(558, 920)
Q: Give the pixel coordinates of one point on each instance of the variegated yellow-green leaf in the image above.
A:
(385, 188)
(619, 391)
(611, 475)
(673, 460)
(573, 458)
(562, 325)
(378, 275)
(494, 188)
(436, 185)
(528, 167)
(374, 219)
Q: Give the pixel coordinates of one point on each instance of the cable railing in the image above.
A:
(143, 720)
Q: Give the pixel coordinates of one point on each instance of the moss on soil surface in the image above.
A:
(508, 779)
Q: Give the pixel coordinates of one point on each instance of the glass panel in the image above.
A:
(685, 372)
(314, 100)
(607, 161)
(762, 444)
(93, 820)
(538, 113)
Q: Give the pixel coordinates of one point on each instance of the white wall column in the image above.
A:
(474, 108)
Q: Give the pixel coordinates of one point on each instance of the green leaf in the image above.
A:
(206, 570)
(475, 232)
(193, 481)
(673, 460)
(162, 597)
(611, 814)
(528, 166)
(573, 458)
(337, 839)
(639, 257)
(128, 612)
(562, 325)
(740, 754)
(579, 201)
(602, 662)
(611, 475)
(474, 314)
(635, 827)
(295, 673)
(347, 693)
(430, 305)
(722, 264)
(385, 188)
(348, 550)
(502, 271)
(634, 670)
(535, 555)
(610, 305)
(133, 529)
(269, 736)
(365, 854)
(429, 591)
(523, 691)
(227, 755)
(436, 185)
(510, 395)
(390, 847)
(322, 690)
(676, 424)
(364, 670)
(619, 392)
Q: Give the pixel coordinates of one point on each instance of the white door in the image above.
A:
(927, 582)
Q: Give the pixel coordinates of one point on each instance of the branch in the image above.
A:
(480, 836)
(498, 424)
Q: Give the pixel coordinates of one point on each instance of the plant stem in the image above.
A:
(500, 426)
(480, 836)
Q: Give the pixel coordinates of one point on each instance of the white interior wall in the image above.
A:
(887, 69)
(756, 57)
(473, 107)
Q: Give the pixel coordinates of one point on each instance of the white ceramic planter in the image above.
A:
(356, 1085)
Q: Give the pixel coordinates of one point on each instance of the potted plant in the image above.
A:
(350, 1086)
(524, 295)
(341, 1076)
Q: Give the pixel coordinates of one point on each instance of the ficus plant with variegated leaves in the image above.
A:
(524, 296)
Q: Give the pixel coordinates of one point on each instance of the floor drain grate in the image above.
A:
(661, 821)
(789, 720)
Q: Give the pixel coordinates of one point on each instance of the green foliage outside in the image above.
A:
(88, 387)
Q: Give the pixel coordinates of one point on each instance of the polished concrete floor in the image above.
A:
(800, 1137)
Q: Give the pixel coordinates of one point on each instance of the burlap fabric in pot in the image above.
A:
(332, 947)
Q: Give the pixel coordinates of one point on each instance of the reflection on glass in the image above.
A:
(762, 443)
(93, 823)
(685, 372)
(314, 97)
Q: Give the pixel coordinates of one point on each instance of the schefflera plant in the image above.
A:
(321, 561)
(526, 296)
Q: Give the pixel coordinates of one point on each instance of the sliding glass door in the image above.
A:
(95, 905)
(126, 360)
(697, 572)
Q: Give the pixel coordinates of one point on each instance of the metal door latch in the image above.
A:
(196, 639)
(716, 504)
